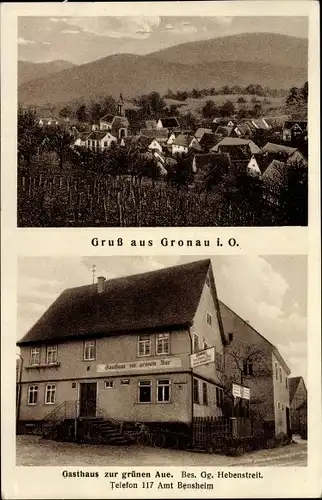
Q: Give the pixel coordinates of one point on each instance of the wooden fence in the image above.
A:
(211, 429)
(75, 200)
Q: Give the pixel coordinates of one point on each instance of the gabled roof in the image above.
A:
(276, 173)
(236, 141)
(271, 147)
(150, 124)
(107, 118)
(155, 133)
(211, 159)
(157, 300)
(209, 140)
(201, 131)
(290, 124)
(170, 122)
(183, 140)
(99, 135)
(293, 383)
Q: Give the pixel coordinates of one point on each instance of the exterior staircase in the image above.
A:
(65, 424)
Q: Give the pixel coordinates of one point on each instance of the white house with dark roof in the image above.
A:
(99, 140)
(183, 143)
(121, 350)
(116, 124)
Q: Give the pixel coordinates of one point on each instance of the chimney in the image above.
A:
(100, 284)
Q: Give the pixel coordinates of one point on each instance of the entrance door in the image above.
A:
(88, 393)
(288, 423)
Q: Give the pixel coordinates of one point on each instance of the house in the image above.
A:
(294, 131)
(260, 124)
(183, 143)
(170, 122)
(274, 181)
(150, 124)
(117, 124)
(201, 131)
(47, 122)
(122, 348)
(224, 130)
(253, 167)
(155, 145)
(284, 153)
(172, 136)
(208, 141)
(225, 122)
(210, 160)
(244, 129)
(161, 135)
(254, 362)
(245, 145)
(81, 139)
(298, 404)
(99, 141)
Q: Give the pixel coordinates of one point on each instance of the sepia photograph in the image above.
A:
(160, 121)
(154, 360)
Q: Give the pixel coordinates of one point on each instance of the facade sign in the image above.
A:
(128, 366)
(202, 357)
(239, 391)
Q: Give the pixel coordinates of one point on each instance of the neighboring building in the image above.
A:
(201, 131)
(253, 167)
(298, 403)
(208, 141)
(245, 145)
(116, 124)
(47, 122)
(224, 130)
(122, 346)
(294, 131)
(211, 160)
(283, 153)
(81, 139)
(253, 361)
(183, 143)
(170, 123)
(274, 181)
(155, 145)
(99, 141)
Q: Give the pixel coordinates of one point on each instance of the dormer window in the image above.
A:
(209, 319)
(51, 355)
(35, 356)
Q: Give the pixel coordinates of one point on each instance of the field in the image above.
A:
(83, 200)
(271, 105)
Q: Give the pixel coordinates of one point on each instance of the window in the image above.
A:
(278, 405)
(89, 350)
(282, 407)
(219, 362)
(51, 354)
(209, 319)
(276, 371)
(105, 144)
(50, 394)
(248, 368)
(286, 382)
(163, 343)
(32, 394)
(219, 397)
(204, 393)
(35, 356)
(195, 390)
(281, 376)
(205, 344)
(144, 345)
(163, 391)
(145, 391)
(108, 384)
(195, 343)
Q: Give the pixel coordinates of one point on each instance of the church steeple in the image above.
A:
(120, 107)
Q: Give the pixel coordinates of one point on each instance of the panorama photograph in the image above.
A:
(162, 121)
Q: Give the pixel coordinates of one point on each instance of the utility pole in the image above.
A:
(93, 272)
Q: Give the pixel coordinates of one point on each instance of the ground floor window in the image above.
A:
(195, 390)
(50, 394)
(163, 391)
(204, 393)
(32, 394)
(219, 397)
(145, 391)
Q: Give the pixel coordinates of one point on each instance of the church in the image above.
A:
(117, 124)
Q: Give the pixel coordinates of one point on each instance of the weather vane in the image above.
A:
(93, 272)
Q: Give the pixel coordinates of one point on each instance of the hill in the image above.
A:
(135, 75)
(28, 71)
(267, 48)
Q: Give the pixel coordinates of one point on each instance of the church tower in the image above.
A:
(120, 107)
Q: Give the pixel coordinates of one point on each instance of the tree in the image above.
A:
(305, 92)
(30, 135)
(152, 104)
(58, 140)
(241, 100)
(257, 110)
(210, 110)
(294, 97)
(181, 173)
(227, 109)
(95, 111)
(108, 106)
(65, 112)
(81, 113)
(294, 195)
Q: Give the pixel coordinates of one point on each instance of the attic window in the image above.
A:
(209, 319)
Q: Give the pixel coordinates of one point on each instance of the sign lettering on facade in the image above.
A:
(155, 364)
(202, 357)
(239, 391)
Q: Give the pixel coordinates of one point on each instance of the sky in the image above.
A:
(83, 39)
(267, 291)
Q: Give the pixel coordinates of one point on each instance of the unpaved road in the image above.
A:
(33, 450)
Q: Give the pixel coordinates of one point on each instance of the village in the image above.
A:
(255, 165)
(157, 362)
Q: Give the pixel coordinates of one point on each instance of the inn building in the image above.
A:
(125, 347)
